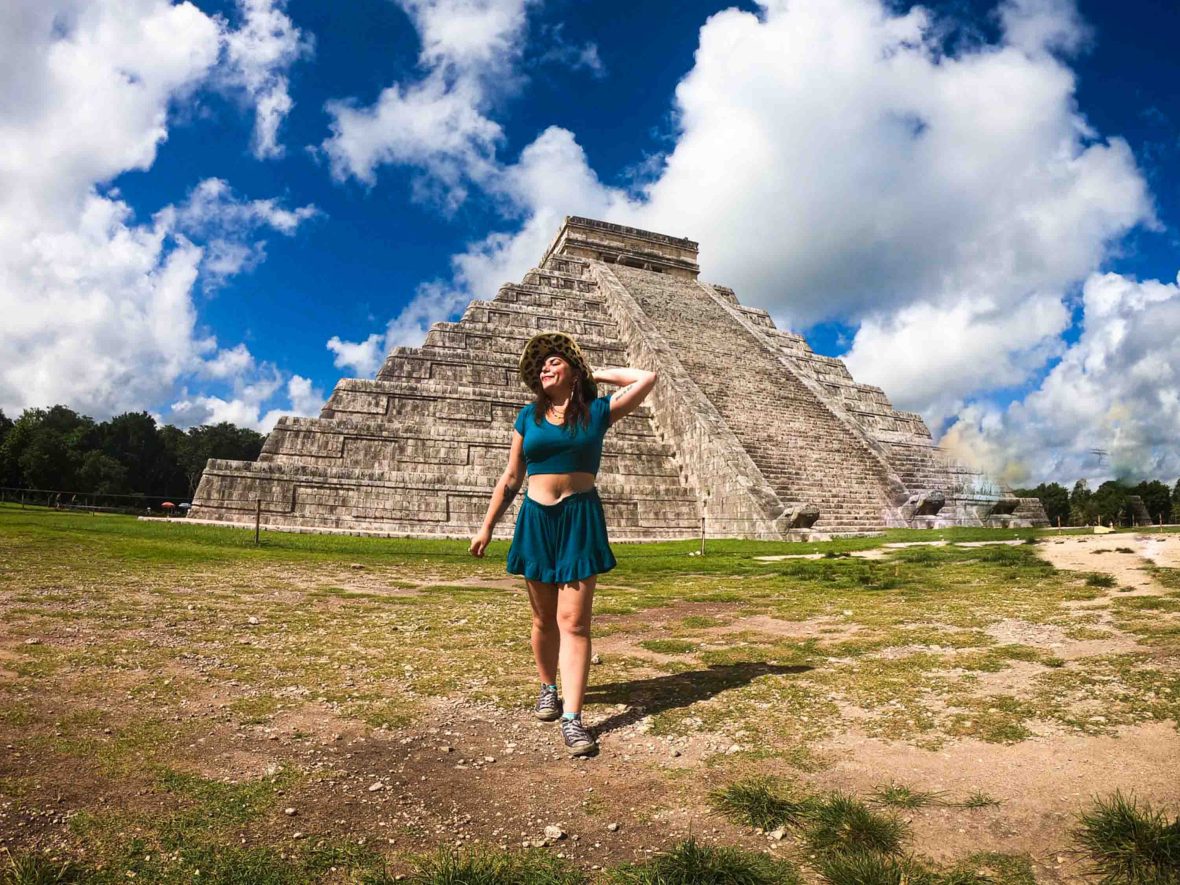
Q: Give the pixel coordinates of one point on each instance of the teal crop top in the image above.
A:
(550, 448)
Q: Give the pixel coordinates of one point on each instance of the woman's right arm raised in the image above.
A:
(503, 495)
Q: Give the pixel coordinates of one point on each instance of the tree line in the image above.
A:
(1106, 504)
(130, 454)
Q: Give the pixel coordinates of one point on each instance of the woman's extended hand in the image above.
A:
(480, 543)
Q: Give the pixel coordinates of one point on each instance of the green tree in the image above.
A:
(1157, 498)
(174, 440)
(222, 440)
(15, 441)
(8, 477)
(59, 449)
(134, 441)
(1176, 502)
(1082, 510)
(102, 474)
(1110, 500)
(44, 448)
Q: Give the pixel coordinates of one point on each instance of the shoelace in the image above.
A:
(548, 700)
(575, 732)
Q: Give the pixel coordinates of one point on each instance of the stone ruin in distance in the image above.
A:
(810, 453)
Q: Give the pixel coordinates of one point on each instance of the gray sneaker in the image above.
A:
(578, 740)
(548, 706)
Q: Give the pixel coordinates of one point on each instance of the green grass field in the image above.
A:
(167, 691)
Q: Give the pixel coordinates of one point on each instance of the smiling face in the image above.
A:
(557, 375)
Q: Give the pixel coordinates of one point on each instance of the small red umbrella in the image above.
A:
(167, 505)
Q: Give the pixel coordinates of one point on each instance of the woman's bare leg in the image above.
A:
(573, 620)
(546, 637)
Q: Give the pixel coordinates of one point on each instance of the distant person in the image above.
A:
(560, 544)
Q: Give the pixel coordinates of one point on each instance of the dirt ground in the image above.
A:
(472, 772)
(1042, 781)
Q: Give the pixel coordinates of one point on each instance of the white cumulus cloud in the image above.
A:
(1042, 25)
(438, 124)
(477, 38)
(98, 304)
(363, 357)
(435, 125)
(441, 123)
(1111, 405)
(246, 404)
(259, 53)
(230, 227)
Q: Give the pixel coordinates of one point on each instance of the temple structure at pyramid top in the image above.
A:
(749, 433)
(629, 246)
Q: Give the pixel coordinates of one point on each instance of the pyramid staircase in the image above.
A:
(747, 428)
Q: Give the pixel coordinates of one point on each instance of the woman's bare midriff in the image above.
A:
(549, 488)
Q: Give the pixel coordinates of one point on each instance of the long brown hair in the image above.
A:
(578, 409)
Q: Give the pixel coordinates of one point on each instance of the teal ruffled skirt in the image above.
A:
(562, 542)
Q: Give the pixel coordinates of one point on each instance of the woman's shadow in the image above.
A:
(646, 697)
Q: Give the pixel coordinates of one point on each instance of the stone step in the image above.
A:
(557, 303)
(688, 529)
(566, 265)
(549, 281)
(530, 321)
(427, 444)
(442, 479)
(429, 455)
(447, 504)
(487, 338)
(492, 406)
(487, 368)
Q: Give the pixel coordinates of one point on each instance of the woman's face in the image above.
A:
(556, 374)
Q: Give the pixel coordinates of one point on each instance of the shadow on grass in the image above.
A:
(646, 697)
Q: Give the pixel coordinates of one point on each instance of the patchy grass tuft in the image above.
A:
(37, 869)
(843, 824)
(758, 802)
(691, 863)
(1097, 579)
(1130, 843)
(486, 867)
(980, 799)
(900, 796)
(873, 868)
(700, 622)
(669, 646)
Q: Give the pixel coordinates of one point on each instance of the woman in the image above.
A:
(560, 544)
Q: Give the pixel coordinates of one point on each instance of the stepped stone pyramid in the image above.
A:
(748, 431)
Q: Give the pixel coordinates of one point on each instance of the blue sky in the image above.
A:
(1024, 247)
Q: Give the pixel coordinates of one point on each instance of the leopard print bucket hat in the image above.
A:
(540, 347)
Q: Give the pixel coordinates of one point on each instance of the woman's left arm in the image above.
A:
(634, 386)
